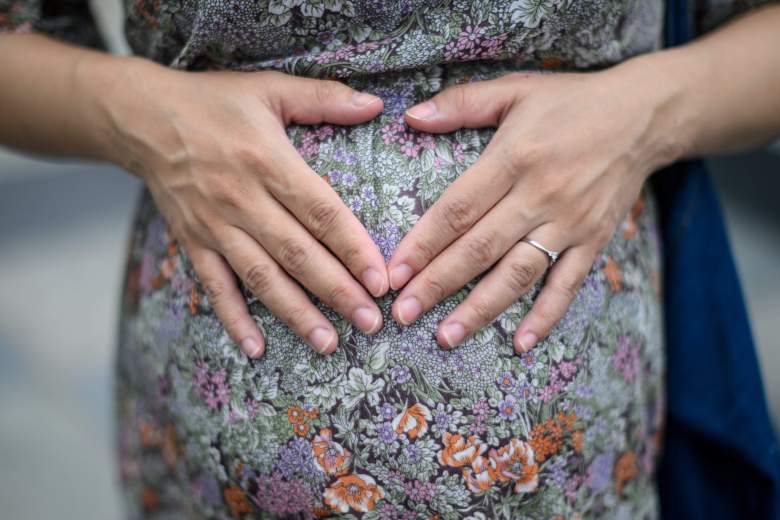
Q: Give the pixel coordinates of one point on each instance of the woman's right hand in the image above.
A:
(213, 150)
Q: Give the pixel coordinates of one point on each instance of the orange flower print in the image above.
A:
(192, 306)
(295, 414)
(625, 470)
(515, 462)
(613, 274)
(310, 412)
(577, 441)
(149, 499)
(413, 421)
(478, 477)
(629, 224)
(170, 445)
(330, 456)
(237, 501)
(357, 492)
(459, 452)
(301, 429)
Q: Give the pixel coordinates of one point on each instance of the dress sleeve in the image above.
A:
(708, 14)
(69, 20)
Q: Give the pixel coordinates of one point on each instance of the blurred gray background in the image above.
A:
(63, 234)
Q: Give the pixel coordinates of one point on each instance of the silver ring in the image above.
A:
(552, 256)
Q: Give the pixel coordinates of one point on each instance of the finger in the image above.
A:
(468, 105)
(322, 212)
(466, 200)
(277, 291)
(470, 255)
(309, 262)
(228, 303)
(559, 290)
(310, 101)
(514, 275)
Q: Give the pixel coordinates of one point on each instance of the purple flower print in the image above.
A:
(600, 472)
(334, 176)
(441, 417)
(212, 387)
(386, 433)
(368, 193)
(355, 204)
(400, 374)
(295, 458)
(480, 408)
(387, 411)
(507, 408)
(276, 495)
(419, 491)
(413, 452)
(506, 381)
(348, 179)
(626, 358)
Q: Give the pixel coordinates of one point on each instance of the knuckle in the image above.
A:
(567, 288)
(253, 159)
(325, 90)
(351, 256)
(337, 295)
(231, 321)
(458, 215)
(294, 256)
(259, 278)
(520, 276)
(481, 311)
(295, 317)
(215, 291)
(423, 251)
(480, 250)
(435, 289)
(321, 218)
(461, 96)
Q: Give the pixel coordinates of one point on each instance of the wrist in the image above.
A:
(663, 89)
(109, 102)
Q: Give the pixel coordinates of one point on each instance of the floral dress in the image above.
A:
(390, 426)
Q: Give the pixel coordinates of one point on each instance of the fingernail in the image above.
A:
(399, 275)
(321, 339)
(527, 341)
(373, 281)
(453, 333)
(362, 99)
(423, 110)
(251, 347)
(408, 310)
(367, 320)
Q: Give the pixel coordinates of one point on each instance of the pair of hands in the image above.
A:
(568, 159)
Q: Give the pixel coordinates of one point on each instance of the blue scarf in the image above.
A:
(721, 457)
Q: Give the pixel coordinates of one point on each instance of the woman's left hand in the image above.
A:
(568, 160)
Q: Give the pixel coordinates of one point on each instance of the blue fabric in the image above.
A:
(721, 458)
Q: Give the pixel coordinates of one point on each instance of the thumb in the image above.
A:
(310, 101)
(467, 105)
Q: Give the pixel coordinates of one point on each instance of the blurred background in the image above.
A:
(63, 238)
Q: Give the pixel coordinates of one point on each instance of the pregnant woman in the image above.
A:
(395, 260)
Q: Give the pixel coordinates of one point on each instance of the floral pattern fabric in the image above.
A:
(390, 426)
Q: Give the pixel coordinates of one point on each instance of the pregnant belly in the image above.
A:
(393, 424)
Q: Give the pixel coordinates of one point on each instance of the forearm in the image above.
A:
(721, 92)
(50, 95)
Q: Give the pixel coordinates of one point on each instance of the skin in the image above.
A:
(213, 150)
(211, 147)
(567, 162)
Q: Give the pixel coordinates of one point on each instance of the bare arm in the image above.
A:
(723, 89)
(567, 162)
(49, 92)
(212, 148)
